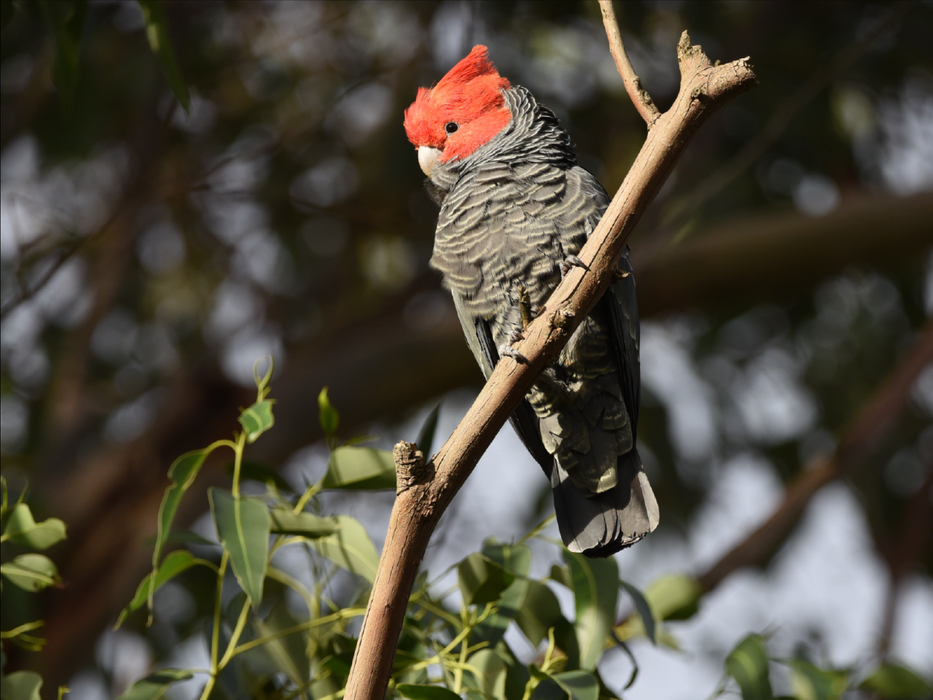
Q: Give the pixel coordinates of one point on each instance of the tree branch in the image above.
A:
(858, 440)
(639, 96)
(704, 87)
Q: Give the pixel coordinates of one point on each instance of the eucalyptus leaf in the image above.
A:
(327, 414)
(643, 608)
(360, 468)
(540, 611)
(488, 673)
(897, 682)
(161, 45)
(21, 685)
(173, 564)
(595, 591)
(812, 683)
(747, 663)
(243, 526)
(349, 547)
(257, 419)
(578, 685)
(426, 435)
(481, 579)
(426, 692)
(285, 522)
(66, 18)
(153, 686)
(31, 572)
(22, 529)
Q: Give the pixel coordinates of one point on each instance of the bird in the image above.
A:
(515, 209)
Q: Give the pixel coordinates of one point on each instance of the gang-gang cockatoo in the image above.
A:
(515, 210)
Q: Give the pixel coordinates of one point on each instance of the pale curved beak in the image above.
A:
(428, 158)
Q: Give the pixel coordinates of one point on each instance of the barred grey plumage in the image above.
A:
(511, 213)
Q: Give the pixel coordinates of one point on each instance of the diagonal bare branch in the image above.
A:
(640, 97)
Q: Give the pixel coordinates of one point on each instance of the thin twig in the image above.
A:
(704, 88)
(640, 97)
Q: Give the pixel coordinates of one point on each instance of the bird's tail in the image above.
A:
(602, 524)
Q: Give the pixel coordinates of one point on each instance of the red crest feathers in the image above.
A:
(470, 95)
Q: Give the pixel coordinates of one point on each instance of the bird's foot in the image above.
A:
(509, 351)
(515, 336)
(570, 262)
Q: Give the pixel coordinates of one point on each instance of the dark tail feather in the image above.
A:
(601, 525)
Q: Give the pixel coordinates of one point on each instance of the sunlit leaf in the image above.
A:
(350, 548)
(812, 683)
(748, 665)
(481, 579)
(173, 564)
(426, 692)
(153, 686)
(891, 681)
(285, 522)
(514, 558)
(23, 529)
(257, 419)
(157, 34)
(360, 468)
(243, 527)
(327, 414)
(595, 591)
(488, 673)
(21, 685)
(183, 472)
(31, 572)
(643, 609)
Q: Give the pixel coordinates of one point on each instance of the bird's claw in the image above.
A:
(570, 262)
(509, 351)
(515, 336)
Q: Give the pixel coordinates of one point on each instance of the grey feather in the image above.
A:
(510, 214)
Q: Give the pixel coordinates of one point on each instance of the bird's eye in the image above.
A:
(451, 127)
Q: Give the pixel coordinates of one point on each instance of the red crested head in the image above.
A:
(463, 111)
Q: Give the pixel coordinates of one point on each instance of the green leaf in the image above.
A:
(22, 529)
(243, 527)
(426, 692)
(327, 414)
(426, 434)
(183, 472)
(812, 683)
(562, 575)
(893, 681)
(22, 685)
(514, 558)
(674, 597)
(540, 612)
(31, 572)
(748, 665)
(157, 34)
(643, 608)
(257, 419)
(153, 686)
(66, 17)
(360, 468)
(488, 672)
(481, 579)
(254, 471)
(285, 522)
(578, 685)
(350, 548)
(287, 654)
(172, 565)
(596, 591)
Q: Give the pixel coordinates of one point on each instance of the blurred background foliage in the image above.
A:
(169, 216)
